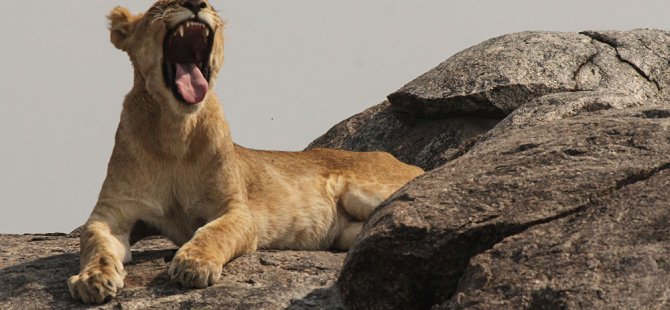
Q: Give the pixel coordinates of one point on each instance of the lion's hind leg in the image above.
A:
(347, 235)
(359, 202)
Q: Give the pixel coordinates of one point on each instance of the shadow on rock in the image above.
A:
(322, 298)
(43, 278)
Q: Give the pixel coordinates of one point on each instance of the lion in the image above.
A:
(175, 170)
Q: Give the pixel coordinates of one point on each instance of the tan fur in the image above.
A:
(175, 171)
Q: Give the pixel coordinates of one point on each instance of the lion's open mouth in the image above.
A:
(186, 51)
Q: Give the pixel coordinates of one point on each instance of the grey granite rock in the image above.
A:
(415, 249)
(647, 51)
(558, 106)
(34, 268)
(425, 143)
(502, 74)
(615, 254)
(520, 80)
(497, 76)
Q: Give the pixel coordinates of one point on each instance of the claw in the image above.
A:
(191, 271)
(96, 284)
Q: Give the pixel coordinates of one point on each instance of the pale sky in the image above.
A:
(294, 68)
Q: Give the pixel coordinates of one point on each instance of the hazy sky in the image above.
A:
(293, 69)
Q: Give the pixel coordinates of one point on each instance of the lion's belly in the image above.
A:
(297, 222)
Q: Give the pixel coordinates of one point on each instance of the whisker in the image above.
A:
(157, 14)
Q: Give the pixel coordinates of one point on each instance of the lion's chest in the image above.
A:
(182, 197)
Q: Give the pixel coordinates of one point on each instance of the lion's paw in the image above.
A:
(97, 283)
(192, 268)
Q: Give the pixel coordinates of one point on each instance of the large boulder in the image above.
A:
(569, 212)
(521, 79)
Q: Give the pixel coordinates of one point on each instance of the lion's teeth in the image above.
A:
(188, 24)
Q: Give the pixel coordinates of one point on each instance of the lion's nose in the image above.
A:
(195, 5)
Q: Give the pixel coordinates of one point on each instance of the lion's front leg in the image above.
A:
(103, 251)
(198, 263)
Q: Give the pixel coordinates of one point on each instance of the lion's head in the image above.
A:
(176, 48)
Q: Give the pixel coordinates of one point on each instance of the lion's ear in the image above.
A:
(121, 23)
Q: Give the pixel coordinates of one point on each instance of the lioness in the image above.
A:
(175, 170)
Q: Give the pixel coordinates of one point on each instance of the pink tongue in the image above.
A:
(191, 83)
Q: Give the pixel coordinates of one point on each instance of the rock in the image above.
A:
(615, 254)
(647, 51)
(559, 175)
(34, 268)
(565, 105)
(521, 79)
(502, 74)
(497, 76)
(425, 143)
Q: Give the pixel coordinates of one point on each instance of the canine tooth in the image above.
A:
(181, 30)
(206, 32)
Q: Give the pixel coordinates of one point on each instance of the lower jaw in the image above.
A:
(179, 109)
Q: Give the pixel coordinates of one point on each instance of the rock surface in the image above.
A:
(560, 205)
(419, 243)
(500, 75)
(425, 143)
(34, 268)
(615, 254)
(521, 79)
